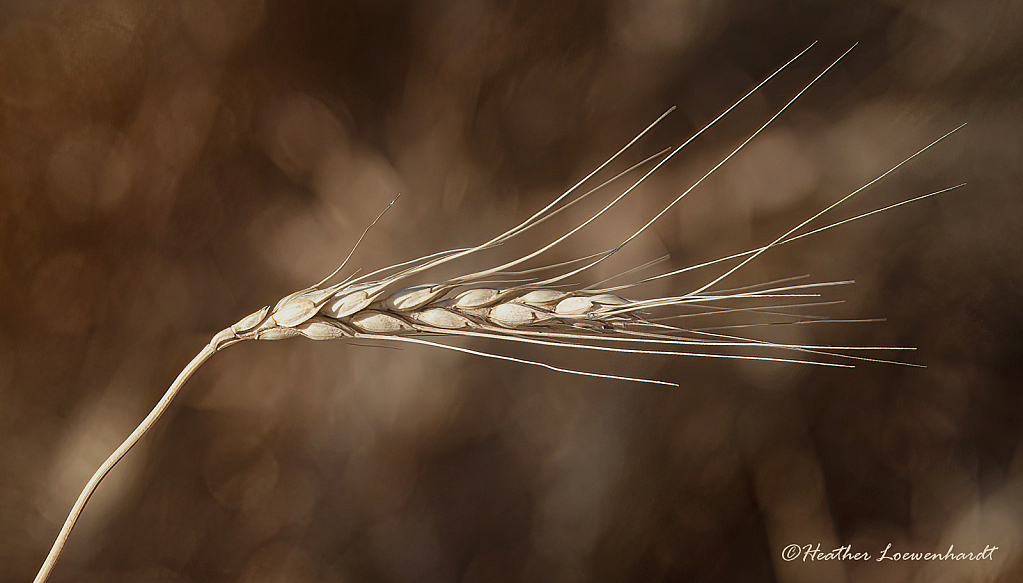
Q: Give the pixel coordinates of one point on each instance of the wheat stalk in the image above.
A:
(538, 310)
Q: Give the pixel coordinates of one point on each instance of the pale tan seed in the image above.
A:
(294, 312)
(512, 314)
(276, 333)
(441, 318)
(374, 322)
(609, 300)
(413, 298)
(249, 322)
(541, 297)
(347, 304)
(477, 298)
(573, 306)
(320, 328)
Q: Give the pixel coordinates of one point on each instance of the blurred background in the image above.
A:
(169, 166)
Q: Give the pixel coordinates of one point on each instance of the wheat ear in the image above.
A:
(540, 310)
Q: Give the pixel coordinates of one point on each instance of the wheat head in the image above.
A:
(536, 306)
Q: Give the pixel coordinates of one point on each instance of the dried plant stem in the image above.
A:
(154, 415)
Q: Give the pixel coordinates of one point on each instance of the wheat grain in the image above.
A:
(539, 311)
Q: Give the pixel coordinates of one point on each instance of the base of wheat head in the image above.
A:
(536, 305)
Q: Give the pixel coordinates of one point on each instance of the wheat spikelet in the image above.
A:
(500, 303)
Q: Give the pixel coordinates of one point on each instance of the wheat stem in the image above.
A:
(219, 341)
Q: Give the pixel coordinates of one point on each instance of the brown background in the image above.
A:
(168, 166)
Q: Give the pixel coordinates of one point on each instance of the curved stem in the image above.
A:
(158, 410)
